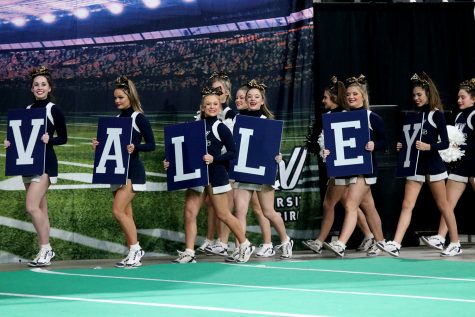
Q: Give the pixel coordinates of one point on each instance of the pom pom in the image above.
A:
(321, 144)
(456, 139)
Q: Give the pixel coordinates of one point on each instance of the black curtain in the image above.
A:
(388, 43)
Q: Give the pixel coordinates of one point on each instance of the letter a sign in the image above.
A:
(26, 154)
(346, 135)
(111, 162)
(185, 146)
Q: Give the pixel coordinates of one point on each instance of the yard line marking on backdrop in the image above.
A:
(186, 307)
(72, 237)
(263, 266)
(286, 289)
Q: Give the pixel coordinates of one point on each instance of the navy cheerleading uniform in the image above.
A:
(378, 136)
(465, 168)
(141, 130)
(430, 163)
(217, 136)
(56, 123)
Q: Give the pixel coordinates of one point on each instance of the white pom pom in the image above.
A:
(456, 138)
(321, 143)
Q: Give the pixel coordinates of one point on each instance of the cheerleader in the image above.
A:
(219, 80)
(430, 167)
(266, 249)
(359, 190)
(128, 103)
(37, 185)
(464, 171)
(217, 135)
(257, 107)
(333, 98)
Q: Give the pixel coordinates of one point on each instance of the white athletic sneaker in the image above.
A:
(391, 247)
(234, 255)
(314, 245)
(43, 258)
(185, 257)
(374, 250)
(202, 248)
(366, 244)
(265, 250)
(436, 241)
(286, 248)
(336, 247)
(217, 248)
(453, 249)
(245, 251)
(134, 258)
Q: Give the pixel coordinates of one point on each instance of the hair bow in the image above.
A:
(361, 80)
(40, 71)
(122, 82)
(254, 84)
(206, 91)
(219, 75)
(420, 80)
(468, 84)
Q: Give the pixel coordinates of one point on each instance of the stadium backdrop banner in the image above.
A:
(169, 57)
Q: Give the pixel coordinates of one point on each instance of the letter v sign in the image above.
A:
(26, 154)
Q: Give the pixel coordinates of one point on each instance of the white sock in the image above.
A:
(370, 236)
(287, 240)
(267, 245)
(190, 251)
(46, 247)
(318, 242)
(135, 247)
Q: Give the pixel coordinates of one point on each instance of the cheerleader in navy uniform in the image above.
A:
(128, 102)
(359, 190)
(257, 107)
(333, 99)
(464, 171)
(430, 167)
(219, 80)
(266, 249)
(37, 185)
(217, 136)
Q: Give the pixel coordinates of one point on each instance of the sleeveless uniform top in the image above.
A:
(56, 123)
(434, 128)
(465, 167)
(141, 130)
(217, 137)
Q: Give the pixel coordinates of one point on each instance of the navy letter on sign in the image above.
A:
(346, 135)
(185, 146)
(26, 154)
(111, 163)
(409, 155)
(258, 141)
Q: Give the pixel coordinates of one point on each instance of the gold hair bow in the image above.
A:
(40, 71)
(206, 91)
(122, 82)
(219, 75)
(468, 84)
(254, 84)
(361, 80)
(420, 80)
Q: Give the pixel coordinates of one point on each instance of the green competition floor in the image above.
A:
(337, 287)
